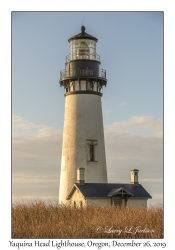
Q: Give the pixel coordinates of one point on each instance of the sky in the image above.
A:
(130, 45)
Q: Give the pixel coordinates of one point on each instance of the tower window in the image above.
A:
(91, 152)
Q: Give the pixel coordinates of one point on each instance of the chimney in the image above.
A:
(80, 176)
(134, 177)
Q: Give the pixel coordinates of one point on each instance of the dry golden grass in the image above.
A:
(39, 220)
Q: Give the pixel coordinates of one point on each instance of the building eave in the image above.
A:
(68, 197)
(141, 197)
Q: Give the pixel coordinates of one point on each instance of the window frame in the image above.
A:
(92, 145)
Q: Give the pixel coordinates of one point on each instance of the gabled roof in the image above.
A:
(103, 190)
(83, 35)
(121, 191)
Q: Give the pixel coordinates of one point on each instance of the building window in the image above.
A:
(91, 150)
(81, 204)
(97, 87)
(91, 84)
(88, 85)
(116, 201)
(72, 86)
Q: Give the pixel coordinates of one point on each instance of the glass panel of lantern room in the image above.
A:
(82, 49)
(73, 48)
(92, 47)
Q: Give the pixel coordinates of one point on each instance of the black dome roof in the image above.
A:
(83, 35)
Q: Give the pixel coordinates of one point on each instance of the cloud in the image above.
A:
(36, 157)
(136, 143)
(21, 123)
(123, 103)
(141, 125)
(125, 151)
(30, 185)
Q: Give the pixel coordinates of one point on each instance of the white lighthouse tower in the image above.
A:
(83, 138)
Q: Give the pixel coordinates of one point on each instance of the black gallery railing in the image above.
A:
(76, 72)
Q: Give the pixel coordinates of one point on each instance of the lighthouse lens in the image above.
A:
(83, 51)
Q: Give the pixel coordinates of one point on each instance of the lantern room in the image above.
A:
(82, 72)
(83, 46)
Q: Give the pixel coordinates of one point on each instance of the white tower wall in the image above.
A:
(83, 125)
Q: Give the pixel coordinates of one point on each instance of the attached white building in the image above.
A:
(85, 194)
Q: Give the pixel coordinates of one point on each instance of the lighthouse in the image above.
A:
(83, 147)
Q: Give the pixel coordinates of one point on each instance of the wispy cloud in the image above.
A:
(19, 122)
(126, 151)
(136, 143)
(139, 125)
(36, 159)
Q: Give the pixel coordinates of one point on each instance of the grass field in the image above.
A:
(39, 220)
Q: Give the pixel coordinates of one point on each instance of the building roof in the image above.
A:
(83, 35)
(103, 190)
